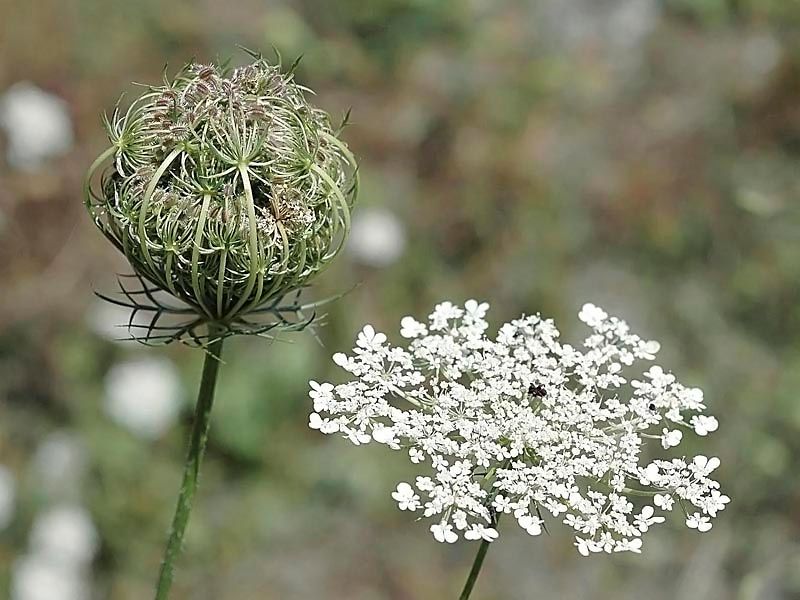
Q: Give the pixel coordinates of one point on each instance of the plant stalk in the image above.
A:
(476, 566)
(191, 472)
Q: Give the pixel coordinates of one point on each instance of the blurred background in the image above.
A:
(640, 154)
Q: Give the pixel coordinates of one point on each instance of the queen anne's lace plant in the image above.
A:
(227, 190)
(524, 424)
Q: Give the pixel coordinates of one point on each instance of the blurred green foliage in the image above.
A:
(640, 154)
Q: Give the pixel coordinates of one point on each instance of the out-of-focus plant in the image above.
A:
(227, 191)
(526, 425)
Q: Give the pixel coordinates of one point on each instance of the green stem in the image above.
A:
(197, 446)
(476, 566)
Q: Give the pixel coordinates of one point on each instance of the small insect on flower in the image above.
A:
(537, 389)
(460, 403)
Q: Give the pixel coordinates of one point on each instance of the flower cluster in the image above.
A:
(526, 425)
(225, 187)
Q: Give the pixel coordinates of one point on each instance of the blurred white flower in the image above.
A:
(36, 123)
(761, 53)
(377, 237)
(144, 396)
(65, 535)
(7, 496)
(615, 25)
(59, 463)
(36, 577)
(110, 321)
(630, 22)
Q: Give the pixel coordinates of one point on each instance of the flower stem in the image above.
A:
(476, 566)
(197, 446)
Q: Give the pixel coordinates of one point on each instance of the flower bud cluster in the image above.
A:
(225, 188)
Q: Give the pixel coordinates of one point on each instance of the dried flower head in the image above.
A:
(227, 190)
(526, 425)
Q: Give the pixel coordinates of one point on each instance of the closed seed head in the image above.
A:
(227, 190)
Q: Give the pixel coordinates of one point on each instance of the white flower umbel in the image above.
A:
(526, 425)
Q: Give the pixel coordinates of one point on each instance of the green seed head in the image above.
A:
(226, 189)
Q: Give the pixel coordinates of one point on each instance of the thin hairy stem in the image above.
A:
(476, 565)
(197, 446)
